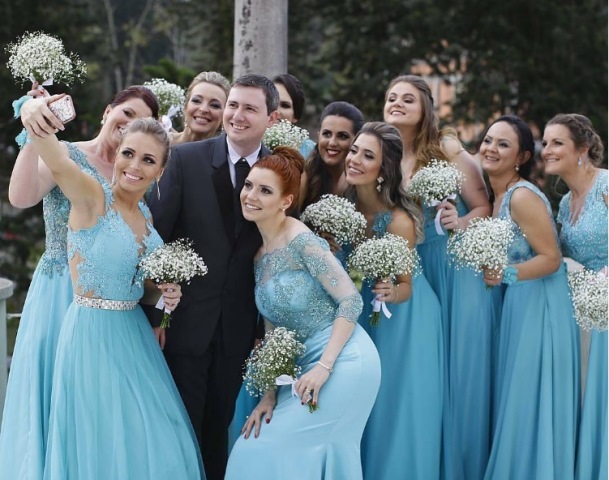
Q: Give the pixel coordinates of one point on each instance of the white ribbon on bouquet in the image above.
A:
(436, 221)
(287, 380)
(378, 305)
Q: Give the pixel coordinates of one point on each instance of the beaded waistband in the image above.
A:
(105, 304)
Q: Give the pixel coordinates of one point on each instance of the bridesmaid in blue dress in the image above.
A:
(114, 405)
(403, 437)
(300, 285)
(573, 150)
(468, 314)
(23, 435)
(538, 382)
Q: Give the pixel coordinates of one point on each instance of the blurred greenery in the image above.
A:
(535, 59)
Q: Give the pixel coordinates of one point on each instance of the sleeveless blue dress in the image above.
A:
(25, 419)
(304, 288)
(469, 316)
(585, 241)
(115, 411)
(403, 437)
(537, 398)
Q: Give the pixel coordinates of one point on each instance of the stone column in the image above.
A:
(6, 290)
(260, 37)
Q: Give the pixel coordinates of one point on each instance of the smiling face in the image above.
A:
(117, 118)
(559, 151)
(335, 137)
(262, 197)
(138, 162)
(500, 150)
(246, 118)
(203, 111)
(364, 160)
(403, 106)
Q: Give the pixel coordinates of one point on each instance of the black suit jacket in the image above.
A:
(197, 203)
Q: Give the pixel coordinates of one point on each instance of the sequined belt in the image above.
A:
(105, 304)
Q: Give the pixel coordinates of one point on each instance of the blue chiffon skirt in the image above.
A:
(538, 383)
(115, 410)
(25, 419)
(592, 448)
(323, 444)
(403, 437)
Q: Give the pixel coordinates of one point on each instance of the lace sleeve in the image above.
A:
(327, 269)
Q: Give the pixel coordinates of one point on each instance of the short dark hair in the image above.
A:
(259, 81)
(295, 91)
(141, 92)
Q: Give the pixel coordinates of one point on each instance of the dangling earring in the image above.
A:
(517, 167)
(158, 190)
(579, 161)
(113, 176)
(379, 180)
(103, 120)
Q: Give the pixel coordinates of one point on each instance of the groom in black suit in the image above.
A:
(213, 329)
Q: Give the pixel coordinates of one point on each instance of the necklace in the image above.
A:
(277, 235)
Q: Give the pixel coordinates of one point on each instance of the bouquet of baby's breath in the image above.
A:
(171, 97)
(336, 216)
(438, 181)
(39, 57)
(173, 262)
(589, 295)
(273, 362)
(379, 258)
(284, 133)
(483, 244)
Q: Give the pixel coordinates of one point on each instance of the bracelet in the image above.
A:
(23, 138)
(330, 370)
(510, 275)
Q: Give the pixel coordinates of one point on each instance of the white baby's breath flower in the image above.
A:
(436, 181)
(284, 133)
(174, 262)
(385, 257)
(40, 57)
(171, 97)
(483, 244)
(275, 356)
(336, 216)
(589, 295)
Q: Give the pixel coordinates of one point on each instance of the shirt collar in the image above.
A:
(234, 156)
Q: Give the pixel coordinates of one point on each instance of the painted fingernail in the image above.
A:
(268, 420)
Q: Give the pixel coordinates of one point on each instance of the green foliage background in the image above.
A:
(535, 59)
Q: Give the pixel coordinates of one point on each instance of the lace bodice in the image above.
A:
(303, 287)
(520, 250)
(108, 255)
(429, 214)
(585, 241)
(55, 211)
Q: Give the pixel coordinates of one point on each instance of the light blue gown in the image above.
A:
(585, 241)
(468, 319)
(115, 410)
(26, 409)
(537, 398)
(403, 437)
(304, 288)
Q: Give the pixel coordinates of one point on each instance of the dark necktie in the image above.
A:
(242, 168)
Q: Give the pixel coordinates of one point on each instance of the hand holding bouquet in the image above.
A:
(41, 58)
(336, 216)
(436, 183)
(171, 99)
(273, 363)
(284, 133)
(173, 262)
(483, 245)
(589, 295)
(383, 258)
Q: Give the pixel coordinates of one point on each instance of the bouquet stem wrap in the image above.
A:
(436, 220)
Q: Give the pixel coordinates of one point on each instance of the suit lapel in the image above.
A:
(224, 186)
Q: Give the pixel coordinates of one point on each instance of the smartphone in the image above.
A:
(63, 109)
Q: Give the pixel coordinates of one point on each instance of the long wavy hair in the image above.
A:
(318, 177)
(428, 142)
(393, 193)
